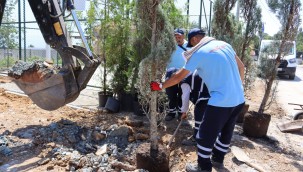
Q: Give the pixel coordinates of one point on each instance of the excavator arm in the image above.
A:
(62, 86)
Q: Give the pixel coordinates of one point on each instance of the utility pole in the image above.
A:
(210, 10)
(24, 32)
(238, 11)
(19, 25)
(200, 16)
(187, 22)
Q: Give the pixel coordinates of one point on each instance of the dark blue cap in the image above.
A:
(193, 32)
(179, 31)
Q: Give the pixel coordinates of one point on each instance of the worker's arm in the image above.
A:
(241, 67)
(175, 78)
(185, 99)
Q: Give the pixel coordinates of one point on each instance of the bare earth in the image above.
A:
(32, 137)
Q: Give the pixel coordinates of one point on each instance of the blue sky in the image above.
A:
(272, 24)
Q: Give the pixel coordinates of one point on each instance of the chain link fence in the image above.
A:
(8, 57)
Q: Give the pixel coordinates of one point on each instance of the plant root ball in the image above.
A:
(152, 160)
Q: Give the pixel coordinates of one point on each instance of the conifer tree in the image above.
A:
(287, 11)
(158, 34)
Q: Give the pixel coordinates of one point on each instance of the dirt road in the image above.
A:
(291, 91)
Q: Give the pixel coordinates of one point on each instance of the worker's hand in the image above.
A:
(155, 86)
(184, 115)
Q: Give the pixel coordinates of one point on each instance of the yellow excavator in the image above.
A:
(63, 86)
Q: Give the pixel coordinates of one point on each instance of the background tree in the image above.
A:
(174, 16)
(299, 41)
(253, 24)
(225, 27)
(223, 23)
(8, 32)
(118, 44)
(287, 12)
(99, 10)
(114, 43)
(159, 35)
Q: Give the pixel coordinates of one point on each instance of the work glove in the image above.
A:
(155, 86)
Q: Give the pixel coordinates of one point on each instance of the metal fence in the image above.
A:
(8, 57)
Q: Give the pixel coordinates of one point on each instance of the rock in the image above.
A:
(6, 132)
(131, 138)
(43, 161)
(120, 131)
(123, 166)
(84, 162)
(52, 145)
(144, 130)
(61, 163)
(6, 151)
(97, 136)
(50, 167)
(71, 138)
(141, 136)
(102, 150)
(89, 169)
(134, 123)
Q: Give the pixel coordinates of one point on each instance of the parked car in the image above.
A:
(288, 63)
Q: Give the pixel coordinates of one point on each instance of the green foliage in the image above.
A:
(8, 33)
(116, 31)
(266, 36)
(267, 65)
(35, 58)
(7, 62)
(223, 23)
(174, 16)
(299, 41)
(252, 22)
(287, 13)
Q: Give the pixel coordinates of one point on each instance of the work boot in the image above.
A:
(194, 167)
(216, 164)
(189, 142)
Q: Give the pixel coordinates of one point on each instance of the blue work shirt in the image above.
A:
(216, 64)
(177, 60)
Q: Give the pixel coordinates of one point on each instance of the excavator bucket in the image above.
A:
(45, 86)
(53, 92)
(49, 88)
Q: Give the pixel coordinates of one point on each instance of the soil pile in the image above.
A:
(32, 72)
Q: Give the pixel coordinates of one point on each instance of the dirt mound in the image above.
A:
(66, 139)
(32, 72)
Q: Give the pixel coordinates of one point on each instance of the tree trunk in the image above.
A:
(266, 94)
(278, 59)
(153, 102)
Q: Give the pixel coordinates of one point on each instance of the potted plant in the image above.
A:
(98, 32)
(118, 49)
(256, 123)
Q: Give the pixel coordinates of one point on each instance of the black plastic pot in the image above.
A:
(126, 102)
(103, 98)
(112, 104)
